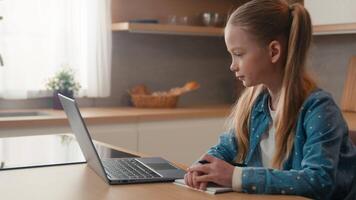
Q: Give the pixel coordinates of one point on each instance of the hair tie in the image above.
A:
(290, 14)
(290, 7)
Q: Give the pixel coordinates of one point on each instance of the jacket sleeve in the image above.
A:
(226, 148)
(324, 127)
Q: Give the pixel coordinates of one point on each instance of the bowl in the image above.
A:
(213, 19)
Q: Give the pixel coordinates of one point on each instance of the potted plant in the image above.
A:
(62, 82)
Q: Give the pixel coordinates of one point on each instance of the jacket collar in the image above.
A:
(262, 103)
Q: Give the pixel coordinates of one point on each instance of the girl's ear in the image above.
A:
(275, 50)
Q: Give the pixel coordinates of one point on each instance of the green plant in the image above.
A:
(63, 81)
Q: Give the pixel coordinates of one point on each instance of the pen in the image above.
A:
(234, 164)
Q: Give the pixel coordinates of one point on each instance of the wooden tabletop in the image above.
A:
(79, 182)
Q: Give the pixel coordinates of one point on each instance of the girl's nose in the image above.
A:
(234, 67)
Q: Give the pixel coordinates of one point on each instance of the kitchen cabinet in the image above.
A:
(121, 135)
(35, 130)
(181, 134)
(332, 17)
(325, 12)
(183, 140)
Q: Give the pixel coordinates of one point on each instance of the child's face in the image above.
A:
(250, 60)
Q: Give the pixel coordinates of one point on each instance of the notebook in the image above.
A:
(211, 189)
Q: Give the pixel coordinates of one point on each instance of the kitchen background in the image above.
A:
(166, 61)
(162, 61)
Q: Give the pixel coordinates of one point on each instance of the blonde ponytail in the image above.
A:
(240, 118)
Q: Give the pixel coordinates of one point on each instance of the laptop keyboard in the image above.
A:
(128, 169)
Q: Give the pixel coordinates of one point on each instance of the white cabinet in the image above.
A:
(26, 131)
(182, 141)
(121, 135)
(331, 11)
(178, 140)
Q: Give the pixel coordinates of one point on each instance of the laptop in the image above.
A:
(117, 170)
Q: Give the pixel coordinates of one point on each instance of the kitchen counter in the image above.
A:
(127, 114)
(137, 129)
(111, 115)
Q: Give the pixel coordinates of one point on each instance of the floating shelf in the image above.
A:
(168, 29)
(332, 29)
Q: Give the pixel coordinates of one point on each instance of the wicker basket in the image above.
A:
(151, 101)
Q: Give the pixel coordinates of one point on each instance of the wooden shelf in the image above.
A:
(332, 29)
(168, 29)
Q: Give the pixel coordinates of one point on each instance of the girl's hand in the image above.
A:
(190, 180)
(216, 171)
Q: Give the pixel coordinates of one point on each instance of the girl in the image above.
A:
(290, 135)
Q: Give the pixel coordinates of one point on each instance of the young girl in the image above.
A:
(290, 135)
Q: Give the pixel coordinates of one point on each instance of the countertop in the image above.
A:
(127, 114)
(112, 115)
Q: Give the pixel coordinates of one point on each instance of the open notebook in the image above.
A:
(211, 189)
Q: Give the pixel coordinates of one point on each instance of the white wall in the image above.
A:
(331, 11)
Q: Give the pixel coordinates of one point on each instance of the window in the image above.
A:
(37, 37)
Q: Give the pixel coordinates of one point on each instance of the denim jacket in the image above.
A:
(322, 164)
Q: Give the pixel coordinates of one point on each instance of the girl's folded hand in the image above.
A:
(216, 171)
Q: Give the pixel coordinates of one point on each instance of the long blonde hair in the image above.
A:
(266, 20)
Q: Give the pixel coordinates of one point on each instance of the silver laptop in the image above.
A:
(117, 170)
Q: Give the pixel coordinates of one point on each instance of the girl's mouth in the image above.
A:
(240, 77)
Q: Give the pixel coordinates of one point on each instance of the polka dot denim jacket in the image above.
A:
(323, 160)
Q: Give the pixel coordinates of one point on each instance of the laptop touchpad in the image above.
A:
(161, 166)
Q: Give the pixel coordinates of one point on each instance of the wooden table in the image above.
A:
(79, 182)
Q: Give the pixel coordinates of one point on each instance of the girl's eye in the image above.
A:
(237, 54)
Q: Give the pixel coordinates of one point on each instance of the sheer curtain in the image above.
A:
(37, 37)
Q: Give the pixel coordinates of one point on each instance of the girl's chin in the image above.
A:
(245, 83)
(248, 84)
